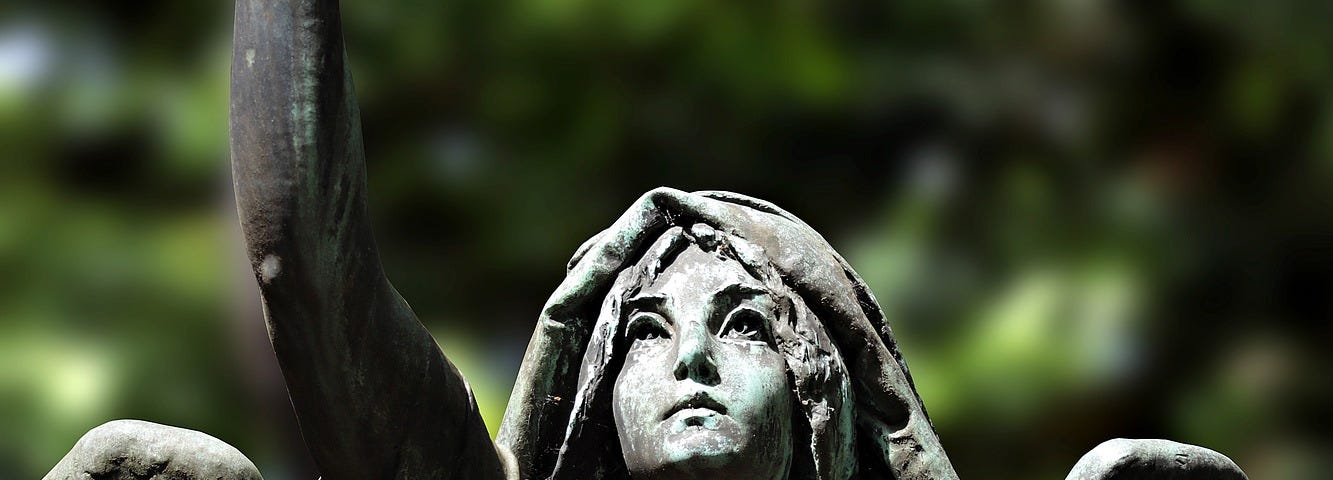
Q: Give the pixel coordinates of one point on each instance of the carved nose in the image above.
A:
(694, 361)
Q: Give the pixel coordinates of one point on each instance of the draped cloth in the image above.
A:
(894, 438)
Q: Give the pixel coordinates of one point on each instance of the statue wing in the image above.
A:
(1126, 459)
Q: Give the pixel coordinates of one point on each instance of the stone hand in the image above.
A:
(596, 263)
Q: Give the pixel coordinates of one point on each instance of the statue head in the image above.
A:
(704, 359)
(717, 368)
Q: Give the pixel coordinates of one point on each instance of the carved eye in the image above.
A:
(745, 324)
(648, 326)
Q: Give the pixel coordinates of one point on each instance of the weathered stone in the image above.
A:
(1128, 459)
(138, 450)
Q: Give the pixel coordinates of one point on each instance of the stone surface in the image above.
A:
(703, 388)
(1127, 459)
(138, 450)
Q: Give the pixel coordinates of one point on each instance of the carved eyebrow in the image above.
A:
(651, 301)
(738, 289)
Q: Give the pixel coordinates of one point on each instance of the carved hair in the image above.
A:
(822, 442)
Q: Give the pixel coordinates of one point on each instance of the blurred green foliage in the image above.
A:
(1085, 219)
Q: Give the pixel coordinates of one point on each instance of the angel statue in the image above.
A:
(701, 335)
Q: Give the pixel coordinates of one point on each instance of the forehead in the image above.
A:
(697, 273)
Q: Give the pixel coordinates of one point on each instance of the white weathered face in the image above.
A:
(704, 391)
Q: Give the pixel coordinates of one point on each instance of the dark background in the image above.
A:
(1085, 219)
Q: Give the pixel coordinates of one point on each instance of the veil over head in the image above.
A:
(552, 429)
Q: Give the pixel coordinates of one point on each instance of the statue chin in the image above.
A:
(699, 453)
(712, 440)
(705, 445)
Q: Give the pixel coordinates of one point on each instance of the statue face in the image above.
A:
(703, 392)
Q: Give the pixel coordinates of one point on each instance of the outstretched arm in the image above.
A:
(374, 396)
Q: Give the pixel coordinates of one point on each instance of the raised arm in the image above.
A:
(374, 396)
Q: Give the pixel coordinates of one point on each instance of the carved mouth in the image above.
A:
(696, 400)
